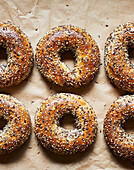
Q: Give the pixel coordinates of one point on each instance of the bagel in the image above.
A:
(63, 38)
(18, 127)
(121, 143)
(57, 139)
(118, 67)
(19, 55)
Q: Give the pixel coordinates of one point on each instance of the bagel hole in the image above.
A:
(128, 126)
(68, 58)
(3, 123)
(67, 121)
(3, 56)
(131, 54)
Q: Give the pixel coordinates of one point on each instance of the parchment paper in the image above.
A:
(35, 18)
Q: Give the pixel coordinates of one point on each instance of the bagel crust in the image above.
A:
(117, 65)
(57, 139)
(65, 38)
(19, 55)
(18, 127)
(121, 143)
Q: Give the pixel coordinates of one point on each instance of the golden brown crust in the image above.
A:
(20, 55)
(18, 127)
(58, 139)
(118, 67)
(65, 38)
(121, 143)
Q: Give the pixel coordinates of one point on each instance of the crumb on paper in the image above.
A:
(29, 147)
(32, 101)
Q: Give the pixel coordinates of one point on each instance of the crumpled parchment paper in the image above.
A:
(35, 18)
